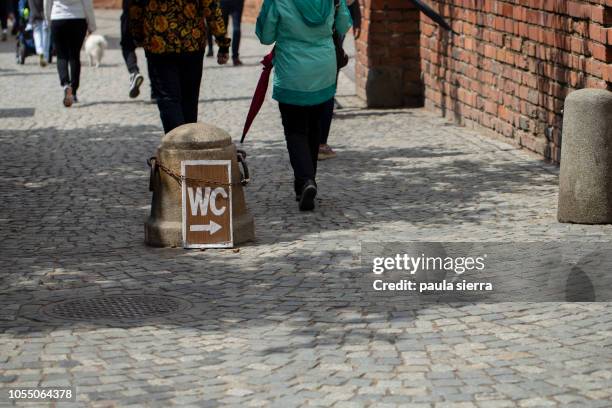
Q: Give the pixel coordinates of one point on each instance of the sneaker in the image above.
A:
(42, 61)
(135, 81)
(75, 99)
(326, 152)
(309, 192)
(236, 61)
(68, 98)
(210, 53)
(4, 35)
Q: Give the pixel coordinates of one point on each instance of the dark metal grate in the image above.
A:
(17, 113)
(116, 307)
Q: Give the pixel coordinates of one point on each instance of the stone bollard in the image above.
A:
(585, 183)
(193, 141)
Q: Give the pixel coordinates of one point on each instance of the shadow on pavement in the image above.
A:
(84, 194)
(349, 113)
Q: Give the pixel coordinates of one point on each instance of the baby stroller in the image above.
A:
(25, 36)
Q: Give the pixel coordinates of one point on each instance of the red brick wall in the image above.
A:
(387, 71)
(514, 63)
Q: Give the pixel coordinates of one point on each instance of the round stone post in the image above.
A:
(193, 141)
(585, 183)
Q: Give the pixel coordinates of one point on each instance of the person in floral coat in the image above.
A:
(173, 34)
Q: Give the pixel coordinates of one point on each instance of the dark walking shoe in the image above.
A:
(68, 98)
(309, 192)
(135, 82)
(210, 53)
(236, 61)
(4, 36)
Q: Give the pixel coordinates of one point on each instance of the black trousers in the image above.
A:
(68, 36)
(209, 38)
(4, 11)
(302, 125)
(234, 9)
(328, 114)
(128, 47)
(176, 79)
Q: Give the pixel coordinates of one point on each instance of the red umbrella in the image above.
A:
(260, 93)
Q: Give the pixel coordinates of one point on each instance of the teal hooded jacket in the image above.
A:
(304, 57)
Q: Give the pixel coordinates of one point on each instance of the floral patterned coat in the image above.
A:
(176, 26)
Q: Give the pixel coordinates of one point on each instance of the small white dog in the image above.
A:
(94, 48)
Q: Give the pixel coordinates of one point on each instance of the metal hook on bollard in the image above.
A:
(245, 176)
(152, 163)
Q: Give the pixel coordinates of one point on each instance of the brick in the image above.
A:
(607, 73)
(514, 59)
(601, 52)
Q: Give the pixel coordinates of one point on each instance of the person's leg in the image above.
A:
(295, 124)
(128, 47)
(3, 25)
(326, 119)
(236, 20)
(164, 74)
(60, 42)
(313, 115)
(37, 33)
(39, 36)
(209, 42)
(15, 10)
(78, 28)
(46, 40)
(128, 50)
(226, 8)
(153, 91)
(61, 35)
(317, 115)
(191, 77)
(4, 17)
(325, 151)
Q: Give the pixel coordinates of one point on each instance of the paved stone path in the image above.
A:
(281, 322)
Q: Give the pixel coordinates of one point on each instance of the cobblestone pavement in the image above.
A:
(281, 322)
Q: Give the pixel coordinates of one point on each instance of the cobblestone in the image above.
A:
(282, 322)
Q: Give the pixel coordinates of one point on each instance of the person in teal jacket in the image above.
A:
(304, 76)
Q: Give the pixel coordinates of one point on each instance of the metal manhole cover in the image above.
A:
(116, 307)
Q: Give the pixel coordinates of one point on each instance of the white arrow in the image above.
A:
(212, 227)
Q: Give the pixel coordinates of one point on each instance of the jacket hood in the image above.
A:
(314, 12)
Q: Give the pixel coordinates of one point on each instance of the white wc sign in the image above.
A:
(207, 204)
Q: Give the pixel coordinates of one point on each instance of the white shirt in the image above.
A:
(71, 9)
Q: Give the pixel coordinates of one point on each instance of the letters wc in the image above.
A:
(194, 141)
